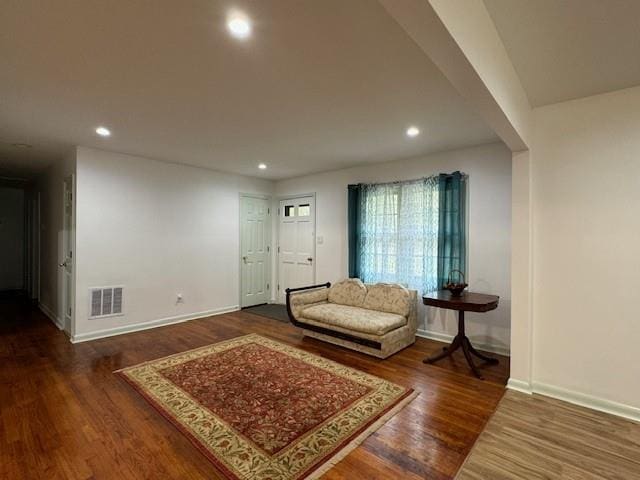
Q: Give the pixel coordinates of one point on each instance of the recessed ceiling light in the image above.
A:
(413, 131)
(239, 25)
(103, 131)
(262, 166)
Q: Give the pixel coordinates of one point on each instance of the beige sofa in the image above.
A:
(378, 319)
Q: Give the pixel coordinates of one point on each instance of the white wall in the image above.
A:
(520, 365)
(586, 170)
(489, 169)
(12, 239)
(51, 187)
(159, 229)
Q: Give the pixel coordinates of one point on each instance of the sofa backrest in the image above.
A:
(384, 297)
(350, 291)
(388, 297)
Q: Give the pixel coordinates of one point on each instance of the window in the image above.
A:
(398, 239)
(304, 210)
(412, 233)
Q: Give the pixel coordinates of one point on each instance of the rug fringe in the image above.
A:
(356, 442)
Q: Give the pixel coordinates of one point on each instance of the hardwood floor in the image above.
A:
(65, 415)
(535, 437)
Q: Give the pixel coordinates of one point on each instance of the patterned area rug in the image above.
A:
(262, 410)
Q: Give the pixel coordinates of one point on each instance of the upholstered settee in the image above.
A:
(378, 319)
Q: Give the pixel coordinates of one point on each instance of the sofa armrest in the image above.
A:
(300, 298)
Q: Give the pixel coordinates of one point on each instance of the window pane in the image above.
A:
(304, 210)
(399, 234)
(289, 211)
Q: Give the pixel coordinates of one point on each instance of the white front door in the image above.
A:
(255, 237)
(68, 255)
(296, 238)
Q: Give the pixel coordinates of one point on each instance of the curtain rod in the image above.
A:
(396, 182)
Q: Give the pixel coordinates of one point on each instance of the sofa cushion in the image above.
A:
(355, 318)
(348, 292)
(388, 297)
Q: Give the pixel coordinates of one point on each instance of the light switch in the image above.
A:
(320, 239)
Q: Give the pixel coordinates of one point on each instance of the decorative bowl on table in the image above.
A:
(456, 288)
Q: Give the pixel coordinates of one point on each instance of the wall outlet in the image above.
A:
(320, 239)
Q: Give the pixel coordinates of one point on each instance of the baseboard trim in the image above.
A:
(51, 316)
(446, 338)
(576, 398)
(519, 386)
(588, 401)
(137, 327)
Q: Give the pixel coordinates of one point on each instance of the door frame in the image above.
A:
(38, 227)
(71, 237)
(270, 243)
(277, 235)
(32, 210)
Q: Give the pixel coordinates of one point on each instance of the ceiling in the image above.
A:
(319, 85)
(566, 49)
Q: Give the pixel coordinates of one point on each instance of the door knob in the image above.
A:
(63, 264)
(309, 259)
(244, 259)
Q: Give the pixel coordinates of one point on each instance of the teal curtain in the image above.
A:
(452, 238)
(354, 224)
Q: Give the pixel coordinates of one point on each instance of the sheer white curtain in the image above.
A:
(399, 233)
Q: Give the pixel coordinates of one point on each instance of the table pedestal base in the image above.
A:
(463, 342)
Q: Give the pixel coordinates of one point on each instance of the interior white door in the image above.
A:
(296, 249)
(68, 261)
(255, 236)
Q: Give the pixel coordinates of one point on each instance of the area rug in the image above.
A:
(262, 410)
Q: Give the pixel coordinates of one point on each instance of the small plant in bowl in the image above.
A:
(456, 288)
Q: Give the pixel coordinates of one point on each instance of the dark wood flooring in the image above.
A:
(65, 415)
